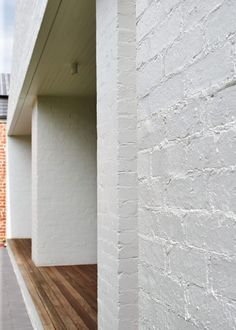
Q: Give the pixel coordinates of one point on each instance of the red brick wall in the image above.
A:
(2, 181)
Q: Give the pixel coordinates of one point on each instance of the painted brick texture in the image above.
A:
(64, 224)
(19, 182)
(186, 58)
(28, 19)
(2, 181)
(117, 165)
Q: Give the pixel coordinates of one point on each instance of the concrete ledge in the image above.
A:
(30, 307)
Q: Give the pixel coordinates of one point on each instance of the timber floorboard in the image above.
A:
(64, 296)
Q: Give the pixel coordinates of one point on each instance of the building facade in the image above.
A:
(4, 88)
(121, 151)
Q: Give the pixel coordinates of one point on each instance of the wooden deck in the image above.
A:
(65, 297)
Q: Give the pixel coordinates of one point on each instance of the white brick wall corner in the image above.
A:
(117, 158)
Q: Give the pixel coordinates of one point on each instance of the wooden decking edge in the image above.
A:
(30, 307)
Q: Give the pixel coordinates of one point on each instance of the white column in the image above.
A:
(117, 182)
(64, 181)
(19, 220)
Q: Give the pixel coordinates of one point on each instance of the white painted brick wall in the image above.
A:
(117, 162)
(64, 181)
(19, 217)
(186, 58)
(28, 20)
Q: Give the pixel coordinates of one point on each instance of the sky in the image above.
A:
(6, 34)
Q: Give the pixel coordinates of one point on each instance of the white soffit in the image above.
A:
(70, 38)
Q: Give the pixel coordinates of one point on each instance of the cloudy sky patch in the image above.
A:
(6, 34)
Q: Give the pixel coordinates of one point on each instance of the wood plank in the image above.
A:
(88, 292)
(73, 320)
(45, 319)
(65, 296)
(40, 286)
(76, 301)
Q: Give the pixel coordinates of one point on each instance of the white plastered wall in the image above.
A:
(64, 181)
(19, 187)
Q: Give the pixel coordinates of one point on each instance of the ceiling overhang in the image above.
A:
(67, 35)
